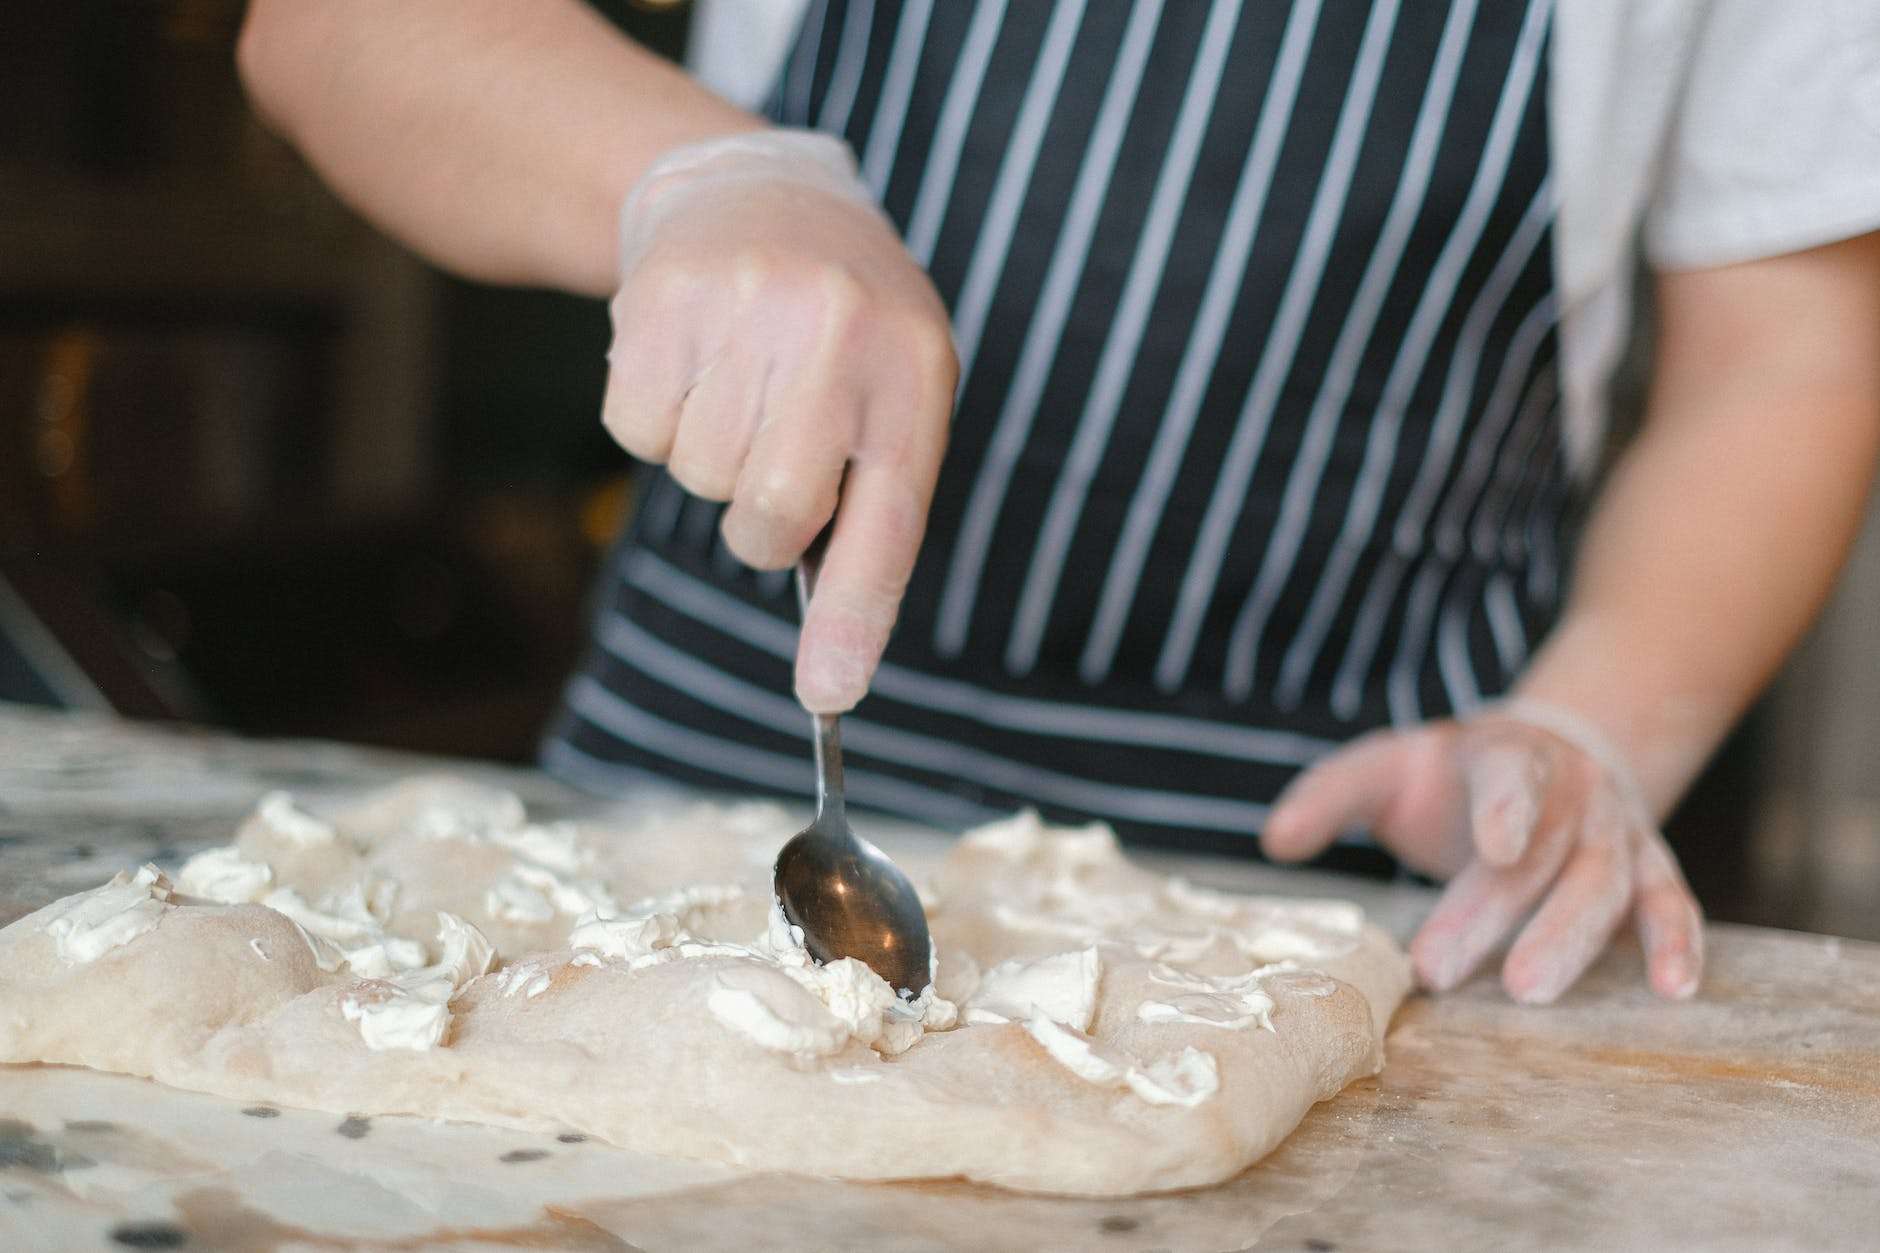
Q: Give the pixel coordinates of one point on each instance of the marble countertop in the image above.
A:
(1747, 1119)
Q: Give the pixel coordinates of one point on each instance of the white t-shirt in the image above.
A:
(1705, 132)
(1708, 132)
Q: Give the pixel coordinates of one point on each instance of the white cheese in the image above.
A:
(223, 875)
(1062, 987)
(411, 1009)
(87, 926)
(1186, 1079)
(280, 815)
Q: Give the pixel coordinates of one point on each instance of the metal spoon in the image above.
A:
(849, 899)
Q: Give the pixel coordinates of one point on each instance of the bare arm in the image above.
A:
(774, 342)
(496, 137)
(1723, 528)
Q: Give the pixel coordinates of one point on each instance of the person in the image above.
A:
(1243, 367)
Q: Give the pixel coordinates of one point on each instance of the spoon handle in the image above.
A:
(808, 566)
(829, 804)
(828, 741)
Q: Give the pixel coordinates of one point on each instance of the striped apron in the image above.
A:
(1257, 443)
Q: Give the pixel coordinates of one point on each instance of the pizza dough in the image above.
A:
(1093, 1028)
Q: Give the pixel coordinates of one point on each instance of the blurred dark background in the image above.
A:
(258, 466)
(261, 468)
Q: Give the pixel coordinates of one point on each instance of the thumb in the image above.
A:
(1351, 787)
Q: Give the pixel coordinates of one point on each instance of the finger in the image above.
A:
(716, 420)
(1349, 788)
(880, 519)
(1670, 923)
(1506, 779)
(1581, 913)
(1482, 904)
(1402, 786)
(647, 370)
(786, 493)
(878, 528)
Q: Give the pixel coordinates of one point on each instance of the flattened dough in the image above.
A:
(1094, 1029)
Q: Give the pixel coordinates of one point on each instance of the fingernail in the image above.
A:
(831, 681)
(1441, 971)
(1447, 976)
(1526, 984)
(1536, 994)
(1680, 979)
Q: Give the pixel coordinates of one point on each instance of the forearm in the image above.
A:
(496, 137)
(1721, 532)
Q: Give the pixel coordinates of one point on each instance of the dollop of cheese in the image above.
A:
(630, 937)
(858, 997)
(1062, 987)
(556, 846)
(1187, 1078)
(528, 978)
(281, 815)
(1233, 1002)
(471, 812)
(849, 999)
(411, 1009)
(343, 930)
(1079, 889)
(87, 926)
(773, 1013)
(1270, 930)
(533, 893)
(223, 875)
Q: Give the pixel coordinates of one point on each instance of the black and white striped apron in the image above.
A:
(1257, 443)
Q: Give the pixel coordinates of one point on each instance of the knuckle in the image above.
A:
(752, 545)
(642, 445)
(789, 505)
(703, 475)
(824, 299)
(638, 430)
(839, 295)
(1427, 753)
(932, 356)
(748, 272)
(757, 544)
(661, 281)
(770, 491)
(772, 521)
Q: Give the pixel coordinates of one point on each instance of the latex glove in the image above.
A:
(1521, 805)
(772, 336)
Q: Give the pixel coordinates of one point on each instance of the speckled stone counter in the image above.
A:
(1749, 1119)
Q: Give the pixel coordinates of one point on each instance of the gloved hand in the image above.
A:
(1520, 802)
(772, 335)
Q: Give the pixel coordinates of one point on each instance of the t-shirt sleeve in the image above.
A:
(1776, 143)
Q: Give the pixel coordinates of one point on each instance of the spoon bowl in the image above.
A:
(852, 901)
